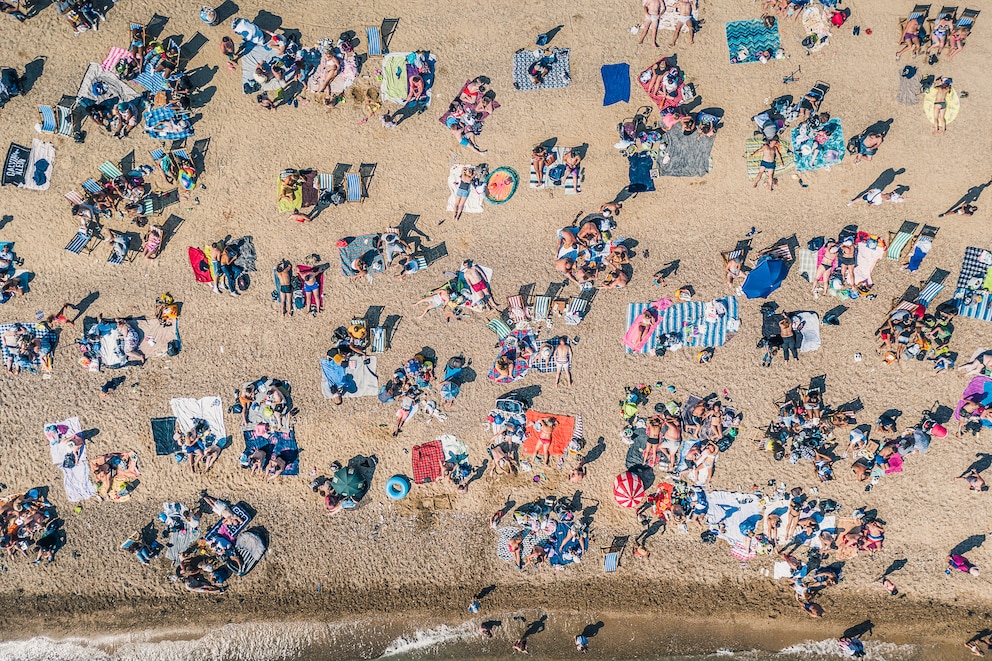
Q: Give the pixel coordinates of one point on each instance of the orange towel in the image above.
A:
(560, 437)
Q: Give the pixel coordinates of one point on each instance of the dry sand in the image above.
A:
(386, 556)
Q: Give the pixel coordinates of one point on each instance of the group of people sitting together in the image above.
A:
(10, 282)
(28, 522)
(912, 332)
(200, 446)
(118, 197)
(407, 386)
(588, 250)
(27, 346)
(560, 538)
(467, 289)
(466, 114)
(946, 37)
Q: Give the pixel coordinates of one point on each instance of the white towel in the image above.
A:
(210, 409)
(364, 370)
(40, 150)
(475, 195)
(78, 485)
(810, 333)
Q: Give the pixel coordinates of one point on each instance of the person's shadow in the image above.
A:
(536, 627)
(968, 198)
(883, 181)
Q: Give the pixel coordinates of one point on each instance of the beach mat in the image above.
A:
(200, 264)
(506, 533)
(278, 444)
(163, 431)
(256, 55)
(76, 480)
(155, 337)
(830, 153)
(689, 155)
(616, 83)
(179, 541)
(360, 247)
(953, 104)
(639, 173)
(560, 75)
(210, 409)
(426, 462)
(560, 437)
(754, 159)
(810, 333)
(747, 39)
(476, 194)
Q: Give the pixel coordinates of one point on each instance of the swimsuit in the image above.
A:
(478, 286)
(285, 289)
(940, 104)
(308, 287)
(767, 165)
(463, 189)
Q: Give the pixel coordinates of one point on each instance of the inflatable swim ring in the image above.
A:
(398, 487)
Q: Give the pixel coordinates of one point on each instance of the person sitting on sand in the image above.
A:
(541, 159)
(770, 154)
(733, 270)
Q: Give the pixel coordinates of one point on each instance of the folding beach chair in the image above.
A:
(110, 171)
(83, 243)
(353, 187)
(129, 255)
(325, 182)
(542, 307)
(920, 12)
(576, 311)
(516, 311)
(74, 197)
(92, 186)
(899, 240)
(932, 287)
(378, 341)
(57, 120)
(611, 559)
(499, 327)
(967, 20)
(374, 38)
(421, 262)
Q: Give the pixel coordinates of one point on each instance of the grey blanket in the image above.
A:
(909, 90)
(689, 154)
(246, 253)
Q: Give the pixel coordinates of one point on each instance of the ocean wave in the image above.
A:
(830, 648)
(421, 640)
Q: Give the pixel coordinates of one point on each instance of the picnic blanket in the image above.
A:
(753, 156)
(179, 541)
(560, 437)
(616, 83)
(210, 409)
(78, 485)
(476, 194)
(505, 534)
(152, 80)
(972, 285)
(830, 153)
(163, 436)
(867, 258)
(748, 41)
(255, 55)
(733, 509)
(659, 98)
(559, 76)
(48, 341)
(810, 333)
(155, 337)
(978, 391)
(554, 175)
(357, 378)
(397, 69)
(683, 155)
(114, 89)
(426, 460)
(364, 248)
(256, 412)
(509, 347)
(276, 444)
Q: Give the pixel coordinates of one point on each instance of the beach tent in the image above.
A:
(766, 277)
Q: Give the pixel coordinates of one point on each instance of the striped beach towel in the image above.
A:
(116, 55)
(752, 144)
(980, 306)
(807, 263)
(689, 319)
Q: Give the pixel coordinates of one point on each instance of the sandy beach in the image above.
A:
(399, 557)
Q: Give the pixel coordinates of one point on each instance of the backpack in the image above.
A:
(173, 348)
(854, 144)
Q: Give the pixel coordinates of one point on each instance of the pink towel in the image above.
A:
(630, 337)
(895, 464)
(116, 55)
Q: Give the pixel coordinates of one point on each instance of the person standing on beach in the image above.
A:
(521, 646)
(653, 9)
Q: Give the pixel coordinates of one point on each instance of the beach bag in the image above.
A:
(173, 348)
(854, 144)
(816, 243)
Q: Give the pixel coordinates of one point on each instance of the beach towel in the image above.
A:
(426, 460)
(29, 168)
(909, 90)
(200, 264)
(115, 55)
(210, 409)
(151, 80)
(560, 437)
(155, 337)
(476, 194)
(919, 252)
(303, 269)
(294, 203)
(357, 378)
(810, 332)
(749, 41)
(114, 90)
(245, 515)
(787, 164)
(683, 155)
(659, 98)
(806, 259)
(639, 173)
(179, 541)
(277, 444)
(166, 123)
(454, 450)
(505, 534)
(616, 83)
(509, 347)
(78, 485)
(830, 153)
(867, 258)
(163, 436)
(636, 314)
(953, 104)
(364, 248)
(698, 325)
(978, 391)
(48, 338)
(398, 68)
(733, 509)
(250, 59)
(559, 76)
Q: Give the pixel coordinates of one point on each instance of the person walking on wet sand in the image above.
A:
(521, 646)
(770, 151)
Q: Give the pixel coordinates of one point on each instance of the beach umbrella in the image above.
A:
(765, 278)
(628, 490)
(348, 482)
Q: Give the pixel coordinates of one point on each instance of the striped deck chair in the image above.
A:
(373, 36)
(116, 258)
(83, 242)
(612, 553)
(499, 327)
(74, 197)
(576, 311)
(325, 182)
(542, 306)
(967, 20)
(353, 186)
(932, 287)
(920, 12)
(421, 262)
(110, 171)
(516, 311)
(378, 341)
(157, 154)
(92, 186)
(56, 120)
(783, 252)
(899, 240)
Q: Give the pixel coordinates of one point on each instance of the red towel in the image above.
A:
(427, 459)
(560, 437)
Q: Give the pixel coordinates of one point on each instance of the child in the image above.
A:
(229, 50)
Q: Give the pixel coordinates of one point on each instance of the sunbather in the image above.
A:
(545, 429)
(911, 36)
(958, 38)
(974, 481)
(563, 362)
(481, 294)
(683, 20)
(942, 28)
(770, 154)
(284, 275)
(137, 46)
(311, 288)
(153, 242)
(462, 192)
(572, 160)
(653, 9)
(652, 429)
(434, 300)
(733, 270)
(319, 82)
(541, 159)
(645, 325)
(943, 87)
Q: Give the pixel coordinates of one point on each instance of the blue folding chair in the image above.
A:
(91, 186)
(378, 344)
(374, 38)
(56, 120)
(353, 184)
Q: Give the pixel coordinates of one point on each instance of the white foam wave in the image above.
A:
(420, 640)
(830, 648)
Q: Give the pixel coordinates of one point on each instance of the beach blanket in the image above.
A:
(683, 155)
(616, 83)
(815, 18)
(126, 474)
(476, 194)
(294, 203)
(155, 337)
(635, 314)
(787, 164)
(357, 378)
(810, 332)
(978, 391)
(152, 80)
(277, 444)
(748, 41)
(179, 541)
(557, 169)
(29, 168)
(210, 409)
(559, 76)
(78, 485)
(509, 347)
(639, 173)
(698, 324)
(659, 98)
(165, 123)
(971, 286)
(397, 69)
(737, 512)
(830, 153)
(114, 90)
(426, 460)
(115, 55)
(47, 337)
(806, 259)
(163, 436)
(909, 90)
(505, 534)
(867, 258)
(364, 248)
(560, 437)
(953, 104)
(255, 55)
